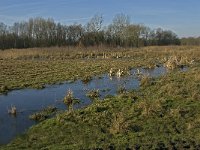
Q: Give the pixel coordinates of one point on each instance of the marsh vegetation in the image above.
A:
(36, 68)
(163, 113)
(43, 114)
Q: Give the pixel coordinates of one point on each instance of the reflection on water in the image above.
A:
(28, 101)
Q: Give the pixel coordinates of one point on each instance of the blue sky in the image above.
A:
(180, 16)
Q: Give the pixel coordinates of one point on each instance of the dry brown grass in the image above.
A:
(101, 53)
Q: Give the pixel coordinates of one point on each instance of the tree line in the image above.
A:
(191, 41)
(40, 32)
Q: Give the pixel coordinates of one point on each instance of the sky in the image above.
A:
(180, 16)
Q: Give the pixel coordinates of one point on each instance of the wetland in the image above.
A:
(131, 111)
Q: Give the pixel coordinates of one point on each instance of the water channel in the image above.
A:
(28, 101)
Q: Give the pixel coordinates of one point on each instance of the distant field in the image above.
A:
(164, 113)
(22, 68)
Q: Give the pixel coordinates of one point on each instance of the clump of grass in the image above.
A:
(119, 73)
(4, 89)
(93, 94)
(108, 96)
(145, 80)
(43, 114)
(149, 107)
(38, 116)
(138, 73)
(106, 90)
(131, 95)
(86, 79)
(171, 63)
(111, 72)
(118, 124)
(121, 90)
(69, 100)
(38, 86)
(151, 65)
(12, 110)
(177, 62)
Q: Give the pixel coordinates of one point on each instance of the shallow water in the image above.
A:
(28, 101)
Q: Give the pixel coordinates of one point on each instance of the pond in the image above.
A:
(28, 101)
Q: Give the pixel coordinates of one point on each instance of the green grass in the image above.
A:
(162, 115)
(43, 114)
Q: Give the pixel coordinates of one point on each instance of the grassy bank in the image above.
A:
(163, 114)
(34, 68)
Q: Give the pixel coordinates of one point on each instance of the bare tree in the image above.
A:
(95, 24)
